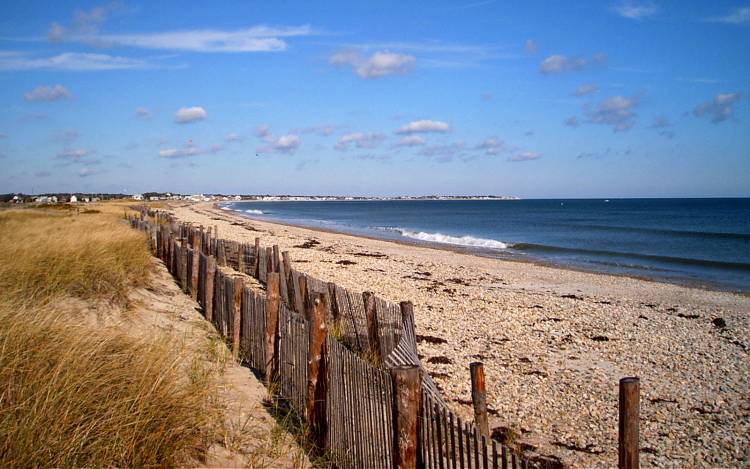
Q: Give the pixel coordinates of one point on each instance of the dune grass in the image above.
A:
(47, 254)
(74, 393)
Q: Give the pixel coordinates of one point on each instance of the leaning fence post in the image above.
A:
(479, 399)
(289, 279)
(272, 323)
(373, 336)
(196, 265)
(302, 283)
(208, 293)
(315, 408)
(237, 316)
(407, 384)
(628, 429)
(256, 260)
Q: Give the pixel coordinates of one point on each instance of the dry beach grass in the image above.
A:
(554, 343)
(104, 362)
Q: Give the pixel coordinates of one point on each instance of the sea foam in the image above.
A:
(254, 212)
(469, 241)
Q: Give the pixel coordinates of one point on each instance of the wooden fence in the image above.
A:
(345, 361)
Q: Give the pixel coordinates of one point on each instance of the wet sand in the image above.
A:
(554, 343)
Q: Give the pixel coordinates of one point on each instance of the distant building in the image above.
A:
(137, 196)
(73, 199)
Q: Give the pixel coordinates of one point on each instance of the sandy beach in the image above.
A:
(554, 343)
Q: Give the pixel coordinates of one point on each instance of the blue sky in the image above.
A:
(534, 99)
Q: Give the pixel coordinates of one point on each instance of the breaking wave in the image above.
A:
(469, 241)
(254, 212)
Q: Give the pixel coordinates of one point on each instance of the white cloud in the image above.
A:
(377, 65)
(635, 11)
(739, 15)
(359, 140)
(189, 149)
(71, 61)
(525, 156)
(560, 63)
(74, 154)
(436, 54)
(142, 113)
(285, 144)
(186, 115)
(411, 141)
(253, 39)
(232, 137)
(491, 146)
(616, 111)
(47, 93)
(588, 88)
(719, 109)
(531, 46)
(424, 126)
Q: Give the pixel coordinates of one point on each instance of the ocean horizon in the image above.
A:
(696, 242)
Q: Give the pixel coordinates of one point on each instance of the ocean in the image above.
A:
(697, 242)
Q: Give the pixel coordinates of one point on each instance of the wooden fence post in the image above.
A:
(335, 313)
(269, 260)
(373, 335)
(170, 253)
(407, 313)
(276, 261)
(289, 279)
(237, 316)
(628, 429)
(407, 384)
(241, 257)
(302, 308)
(256, 260)
(479, 399)
(221, 255)
(208, 293)
(196, 265)
(272, 325)
(315, 408)
(183, 264)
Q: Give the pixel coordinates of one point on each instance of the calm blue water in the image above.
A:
(692, 241)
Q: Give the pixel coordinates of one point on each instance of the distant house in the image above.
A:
(137, 196)
(237, 197)
(17, 200)
(73, 199)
